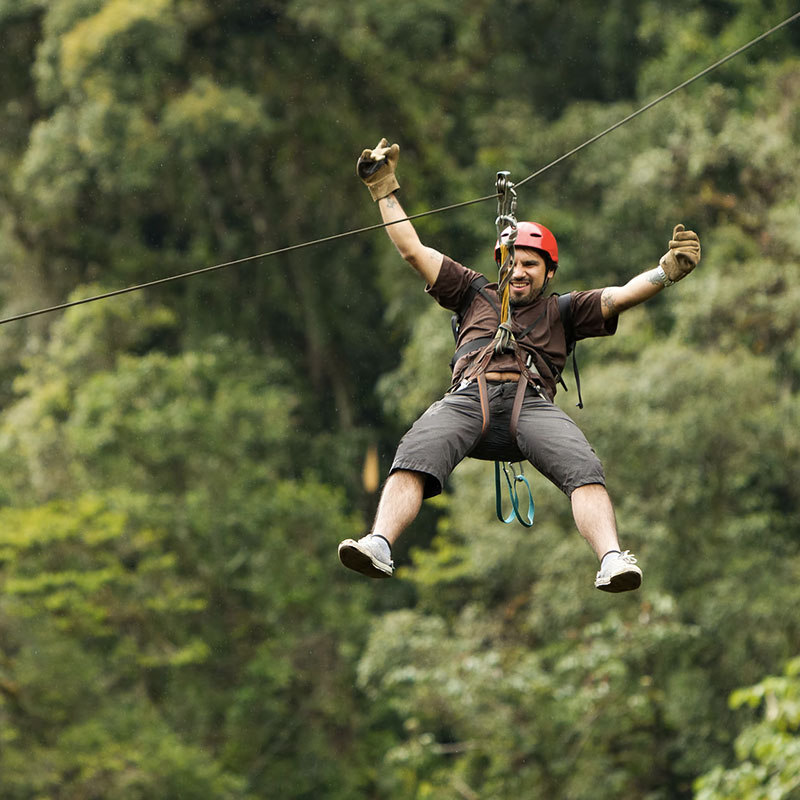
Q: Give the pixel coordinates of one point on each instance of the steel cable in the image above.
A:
(357, 231)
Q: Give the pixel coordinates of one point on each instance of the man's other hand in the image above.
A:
(376, 168)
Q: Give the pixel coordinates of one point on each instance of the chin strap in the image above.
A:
(544, 285)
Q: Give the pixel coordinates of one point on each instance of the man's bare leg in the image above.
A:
(399, 505)
(594, 518)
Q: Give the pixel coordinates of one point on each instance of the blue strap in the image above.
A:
(512, 492)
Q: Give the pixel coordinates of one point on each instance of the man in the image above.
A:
(500, 405)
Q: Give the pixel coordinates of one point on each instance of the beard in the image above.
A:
(525, 298)
(530, 295)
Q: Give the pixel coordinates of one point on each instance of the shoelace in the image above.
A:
(625, 556)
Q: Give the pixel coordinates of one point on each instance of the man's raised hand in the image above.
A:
(683, 254)
(376, 168)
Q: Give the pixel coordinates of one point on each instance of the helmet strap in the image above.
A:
(544, 286)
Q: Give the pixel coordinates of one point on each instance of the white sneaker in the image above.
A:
(619, 573)
(370, 555)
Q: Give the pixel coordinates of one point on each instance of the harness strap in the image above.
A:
(554, 371)
(468, 347)
(577, 378)
(522, 334)
(519, 397)
(483, 392)
(481, 362)
(565, 312)
(476, 286)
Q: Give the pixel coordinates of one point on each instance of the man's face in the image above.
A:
(528, 276)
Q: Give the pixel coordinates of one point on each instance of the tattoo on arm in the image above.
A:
(607, 300)
(391, 202)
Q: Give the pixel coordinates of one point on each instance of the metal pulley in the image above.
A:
(506, 209)
(506, 223)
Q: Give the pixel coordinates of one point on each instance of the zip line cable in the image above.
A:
(357, 231)
(181, 276)
(664, 96)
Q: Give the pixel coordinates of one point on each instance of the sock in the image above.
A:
(609, 553)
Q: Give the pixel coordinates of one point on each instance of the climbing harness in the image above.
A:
(505, 340)
(506, 224)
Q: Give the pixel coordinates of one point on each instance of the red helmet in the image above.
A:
(532, 234)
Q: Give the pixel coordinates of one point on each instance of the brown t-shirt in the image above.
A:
(546, 337)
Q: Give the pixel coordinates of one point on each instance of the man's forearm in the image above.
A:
(616, 299)
(403, 234)
(425, 260)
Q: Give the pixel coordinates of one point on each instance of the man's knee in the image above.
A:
(412, 480)
(406, 477)
(588, 490)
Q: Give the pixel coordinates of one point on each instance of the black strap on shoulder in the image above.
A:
(565, 311)
(468, 347)
(476, 286)
(523, 333)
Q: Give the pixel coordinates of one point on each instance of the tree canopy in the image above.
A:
(178, 464)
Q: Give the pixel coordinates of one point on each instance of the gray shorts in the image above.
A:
(450, 430)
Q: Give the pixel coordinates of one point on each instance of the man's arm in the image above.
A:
(425, 260)
(681, 258)
(376, 169)
(616, 299)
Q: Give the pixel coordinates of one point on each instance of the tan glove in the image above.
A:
(683, 254)
(376, 168)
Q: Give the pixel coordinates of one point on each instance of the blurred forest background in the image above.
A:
(177, 465)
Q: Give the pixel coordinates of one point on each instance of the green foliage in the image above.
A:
(99, 390)
(768, 751)
(177, 465)
(124, 751)
(693, 409)
(162, 545)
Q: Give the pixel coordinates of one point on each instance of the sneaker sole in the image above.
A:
(624, 582)
(356, 559)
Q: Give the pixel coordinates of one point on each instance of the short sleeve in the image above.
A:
(587, 315)
(452, 283)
